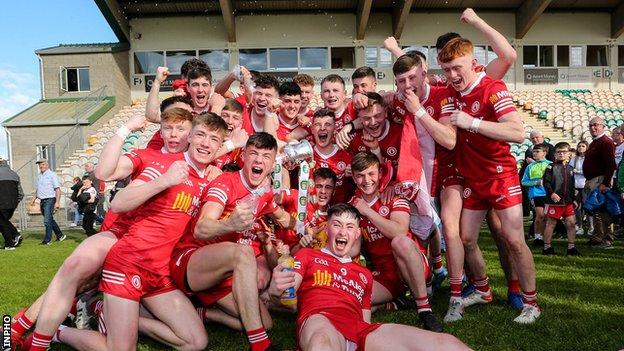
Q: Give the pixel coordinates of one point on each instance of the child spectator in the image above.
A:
(579, 184)
(560, 199)
(74, 205)
(87, 203)
(532, 179)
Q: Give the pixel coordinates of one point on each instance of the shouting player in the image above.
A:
(334, 297)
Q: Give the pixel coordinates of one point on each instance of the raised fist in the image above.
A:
(162, 73)
(177, 173)
(136, 122)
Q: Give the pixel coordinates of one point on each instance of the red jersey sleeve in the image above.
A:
(270, 205)
(135, 157)
(151, 172)
(301, 261)
(499, 99)
(368, 292)
(157, 142)
(289, 200)
(218, 191)
(447, 103)
(400, 205)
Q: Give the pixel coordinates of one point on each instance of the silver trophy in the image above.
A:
(298, 152)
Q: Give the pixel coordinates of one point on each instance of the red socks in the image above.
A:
(20, 326)
(258, 339)
(530, 297)
(456, 286)
(40, 342)
(482, 285)
(422, 304)
(513, 286)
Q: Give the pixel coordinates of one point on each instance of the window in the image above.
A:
(343, 57)
(378, 57)
(255, 59)
(597, 55)
(576, 56)
(621, 55)
(432, 61)
(480, 54)
(175, 59)
(491, 55)
(529, 56)
(47, 151)
(313, 58)
(283, 59)
(218, 60)
(563, 56)
(546, 56)
(75, 79)
(148, 62)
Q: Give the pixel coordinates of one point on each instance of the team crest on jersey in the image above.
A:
(136, 281)
(341, 165)
(430, 110)
(551, 211)
(347, 119)
(362, 148)
(363, 278)
(384, 211)
(475, 106)
(392, 151)
(467, 193)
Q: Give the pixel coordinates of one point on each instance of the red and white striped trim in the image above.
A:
(257, 337)
(514, 190)
(113, 277)
(219, 194)
(503, 104)
(151, 173)
(41, 342)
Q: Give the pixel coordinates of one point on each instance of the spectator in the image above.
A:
(598, 168)
(100, 187)
(74, 197)
(10, 195)
(87, 203)
(579, 184)
(49, 193)
(537, 137)
(618, 138)
(560, 199)
(532, 179)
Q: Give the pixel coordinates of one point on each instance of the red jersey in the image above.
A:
(140, 158)
(345, 116)
(481, 157)
(285, 128)
(314, 217)
(234, 156)
(227, 190)
(378, 245)
(437, 104)
(389, 143)
(332, 285)
(157, 225)
(246, 115)
(337, 161)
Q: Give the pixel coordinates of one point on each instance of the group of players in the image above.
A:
(203, 218)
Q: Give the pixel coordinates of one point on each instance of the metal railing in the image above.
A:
(72, 140)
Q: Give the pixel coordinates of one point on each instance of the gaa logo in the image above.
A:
(475, 106)
(341, 165)
(136, 281)
(301, 217)
(467, 193)
(278, 168)
(303, 200)
(392, 151)
(303, 185)
(363, 278)
(430, 110)
(277, 184)
(384, 211)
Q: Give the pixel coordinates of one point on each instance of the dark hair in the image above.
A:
(211, 121)
(191, 64)
(172, 100)
(579, 143)
(325, 173)
(303, 79)
(333, 78)
(542, 147)
(231, 167)
(199, 72)
(233, 105)
(290, 89)
(324, 112)
(404, 63)
(373, 99)
(262, 140)
(265, 81)
(416, 53)
(363, 160)
(254, 75)
(341, 208)
(445, 38)
(562, 145)
(85, 177)
(363, 72)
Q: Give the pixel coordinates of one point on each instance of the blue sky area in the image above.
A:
(35, 24)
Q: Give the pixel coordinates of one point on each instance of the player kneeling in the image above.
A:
(334, 297)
